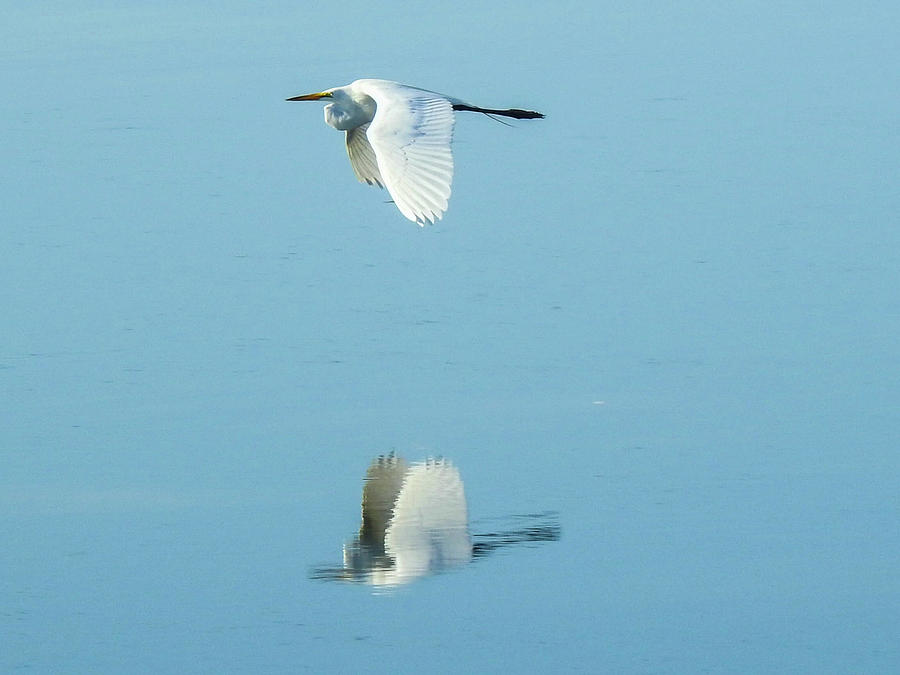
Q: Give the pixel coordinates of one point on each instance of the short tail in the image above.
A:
(515, 113)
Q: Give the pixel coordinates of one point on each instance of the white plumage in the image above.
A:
(398, 137)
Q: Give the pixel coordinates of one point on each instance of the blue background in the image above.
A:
(669, 312)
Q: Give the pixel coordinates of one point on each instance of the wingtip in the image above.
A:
(428, 218)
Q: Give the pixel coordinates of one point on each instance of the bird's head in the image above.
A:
(343, 111)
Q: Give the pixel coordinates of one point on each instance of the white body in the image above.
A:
(398, 137)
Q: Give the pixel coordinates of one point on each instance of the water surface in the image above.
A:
(666, 314)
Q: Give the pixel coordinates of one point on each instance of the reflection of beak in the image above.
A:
(309, 97)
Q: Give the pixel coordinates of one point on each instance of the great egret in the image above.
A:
(398, 137)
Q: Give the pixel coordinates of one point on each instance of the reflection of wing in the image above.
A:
(429, 531)
(382, 485)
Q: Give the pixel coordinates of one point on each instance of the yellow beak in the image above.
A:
(310, 97)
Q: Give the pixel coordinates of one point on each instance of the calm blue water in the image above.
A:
(661, 323)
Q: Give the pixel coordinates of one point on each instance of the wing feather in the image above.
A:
(362, 157)
(410, 135)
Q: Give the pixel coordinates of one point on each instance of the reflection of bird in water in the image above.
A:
(415, 523)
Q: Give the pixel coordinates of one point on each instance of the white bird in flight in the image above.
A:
(398, 137)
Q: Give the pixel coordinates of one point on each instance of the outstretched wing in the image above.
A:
(411, 134)
(362, 157)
